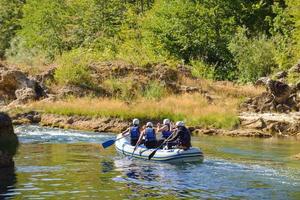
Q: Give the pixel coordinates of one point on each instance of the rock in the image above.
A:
(248, 133)
(31, 117)
(281, 75)
(15, 84)
(279, 97)
(256, 124)
(80, 91)
(8, 141)
(188, 89)
(85, 123)
(26, 94)
(47, 75)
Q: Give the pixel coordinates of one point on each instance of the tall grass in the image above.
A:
(193, 109)
(154, 91)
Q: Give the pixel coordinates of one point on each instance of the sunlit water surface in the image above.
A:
(67, 164)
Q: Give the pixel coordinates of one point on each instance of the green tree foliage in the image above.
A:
(73, 69)
(294, 11)
(44, 25)
(10, 12)
(254, 57)
(195, 32)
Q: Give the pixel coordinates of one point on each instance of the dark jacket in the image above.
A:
(182, 136)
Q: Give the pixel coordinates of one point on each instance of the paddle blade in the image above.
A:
(152, 154)
(108, 143)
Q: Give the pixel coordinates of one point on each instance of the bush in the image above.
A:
(202, 70)
(122, 89)
(254, 57)
(154, 91)
(73, 69)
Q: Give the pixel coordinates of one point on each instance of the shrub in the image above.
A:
(154, 91)
(122, 89)
(254, 57)
(73, 69)
(202, 70)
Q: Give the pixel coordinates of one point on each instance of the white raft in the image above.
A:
(167, 155)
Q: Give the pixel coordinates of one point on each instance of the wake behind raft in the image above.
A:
(193, 154)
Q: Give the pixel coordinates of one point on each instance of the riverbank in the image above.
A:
(207, 107)
(116, 125)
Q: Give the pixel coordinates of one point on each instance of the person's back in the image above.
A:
(134, 134)
(184, 137)
(150, 136)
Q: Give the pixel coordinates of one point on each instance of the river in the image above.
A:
(67, 164)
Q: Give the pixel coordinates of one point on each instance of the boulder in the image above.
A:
(15, 84)
(8, 141)
(279, 97)
(25, 94)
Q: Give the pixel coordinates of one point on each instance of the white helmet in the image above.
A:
(166, 121)
(180, 123)
(149, 124)
(135, 121)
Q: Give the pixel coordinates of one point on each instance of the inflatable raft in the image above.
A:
(167, 155)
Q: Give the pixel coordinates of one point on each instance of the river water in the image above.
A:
(67, 164)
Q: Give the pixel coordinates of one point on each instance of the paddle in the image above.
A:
(154, 152)
(111, 142)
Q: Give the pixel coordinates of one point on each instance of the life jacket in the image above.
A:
(134, 132)
(150, 135)
(167, 133)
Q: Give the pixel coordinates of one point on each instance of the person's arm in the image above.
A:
(174, 136)
(140, 139)
(164, 128)
(125, 132)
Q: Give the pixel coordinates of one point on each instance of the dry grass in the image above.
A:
(224, 88)
(193, 109)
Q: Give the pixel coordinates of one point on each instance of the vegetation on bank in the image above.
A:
(194, 109)
(224, 40)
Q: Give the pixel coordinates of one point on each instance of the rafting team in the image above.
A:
(178, 137)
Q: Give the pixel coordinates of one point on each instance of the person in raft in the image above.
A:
(166, 131)
(133, 131)
(182, 136)
(150, 136)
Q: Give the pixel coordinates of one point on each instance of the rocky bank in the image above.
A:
(275, 112)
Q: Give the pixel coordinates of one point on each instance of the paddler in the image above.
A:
(182, 136)
(134, 132)
(150, 136)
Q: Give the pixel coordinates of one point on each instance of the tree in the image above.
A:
(44, 26)
(10, 13)
(294, 11)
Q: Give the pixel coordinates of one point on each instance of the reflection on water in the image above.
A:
(54, 164)
(8, 180)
